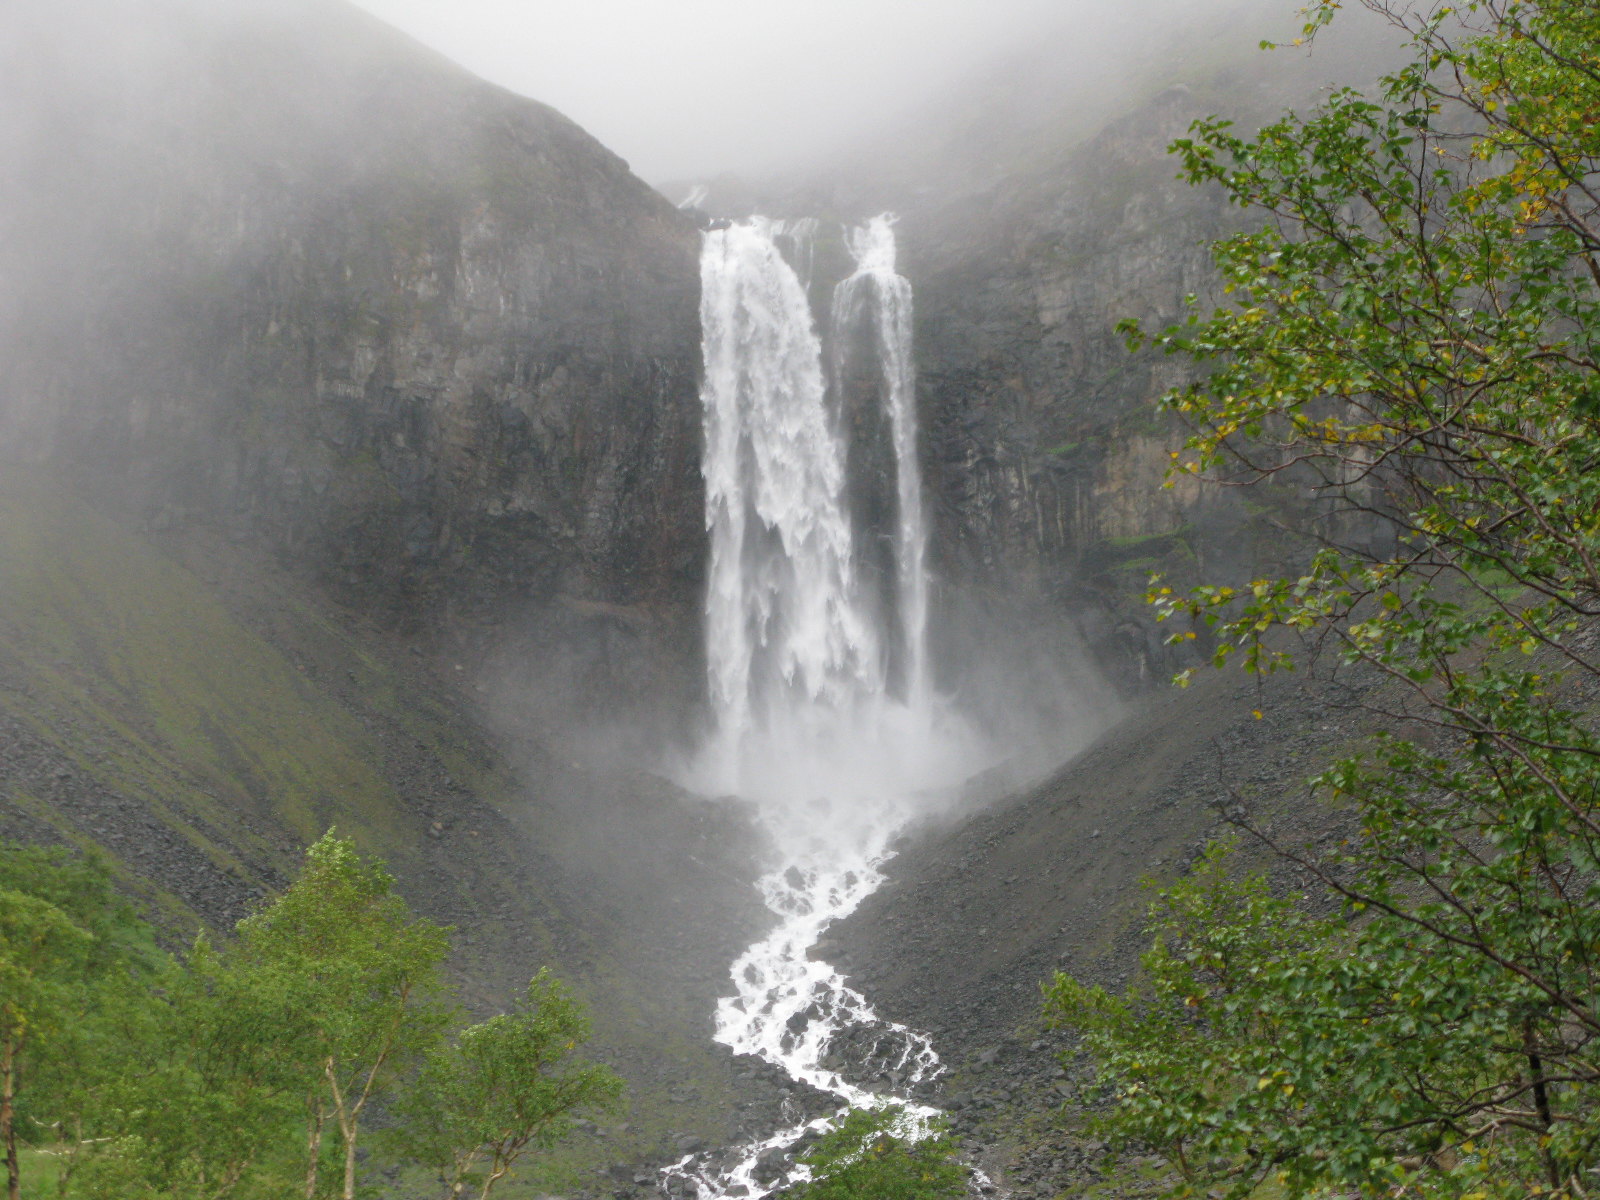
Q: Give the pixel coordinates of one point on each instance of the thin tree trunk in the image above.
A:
(494, 1178)
(349, 1115)
(8, 1128)
(506, 1154)
(71, 1165)
(231, 1174)
(1541, 1100)
(463, 1167)
(349, 1119)
(350, 1163)
(314, 1148)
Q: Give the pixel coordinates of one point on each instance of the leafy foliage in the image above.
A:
(882, 1154)
(74, 963)
(505, 1086)
(360, 980)
(1266, 1044)
(154, 1078)
(216, 1095)
(1413, 339)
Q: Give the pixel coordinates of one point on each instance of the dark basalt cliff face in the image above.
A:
(285, 273)
(1038, 208)
(1042, 449)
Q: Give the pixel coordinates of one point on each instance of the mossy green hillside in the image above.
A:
(174, 683)
(135, 670)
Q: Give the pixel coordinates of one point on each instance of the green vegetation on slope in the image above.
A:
(200, 717)
(1417, 336)
(882, 1154)
(147, 686)
(176, 679)
(254, 1070)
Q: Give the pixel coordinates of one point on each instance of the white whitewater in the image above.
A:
(800, 237)
(805, 725)
(876, 283)
(786, 641)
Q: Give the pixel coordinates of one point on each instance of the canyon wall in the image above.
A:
(282, 272)
(1044, 450)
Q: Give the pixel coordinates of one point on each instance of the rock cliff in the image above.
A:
(1039, 207)
(427, 340)
(292, 309)
(1044, 451)
(1042, 447)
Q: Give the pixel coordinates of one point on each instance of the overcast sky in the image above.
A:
(684, 88)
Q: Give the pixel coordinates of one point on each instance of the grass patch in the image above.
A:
(136, 670)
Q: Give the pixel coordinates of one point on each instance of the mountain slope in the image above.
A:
(349, 438)
(426, 339)
(200, 716)
(977, 915)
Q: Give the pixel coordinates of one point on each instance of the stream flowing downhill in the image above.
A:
(825, 716)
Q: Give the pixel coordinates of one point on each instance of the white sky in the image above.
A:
(684, 88)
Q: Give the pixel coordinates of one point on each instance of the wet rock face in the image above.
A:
(428, 340)
(873, 495)
(1043, 454)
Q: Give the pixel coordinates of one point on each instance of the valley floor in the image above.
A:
(977, 915)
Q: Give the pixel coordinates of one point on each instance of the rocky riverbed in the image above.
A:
(978, 914)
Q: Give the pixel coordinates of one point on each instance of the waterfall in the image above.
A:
(876, 283)
(787, 644)
(807, 725)
(800, 237)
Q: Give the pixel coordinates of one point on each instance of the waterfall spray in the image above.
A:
(805, 724)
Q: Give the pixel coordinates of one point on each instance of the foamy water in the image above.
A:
(805, 725)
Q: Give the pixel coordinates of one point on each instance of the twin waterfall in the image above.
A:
(816, 632)
(877, 288)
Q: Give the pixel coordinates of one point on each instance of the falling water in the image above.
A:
(805, 723)
(800, 238)
(787, 642)
(876, 283)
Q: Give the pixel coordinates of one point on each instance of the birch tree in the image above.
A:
(364, 973)
(511, 1084)
(1414, 337)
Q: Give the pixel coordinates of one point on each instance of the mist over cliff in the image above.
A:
(353, 471)
(436, 345)
(279, 270)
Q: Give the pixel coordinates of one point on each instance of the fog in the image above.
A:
(379, 350)
(198, 198)
(229, 234)
(693, 88)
